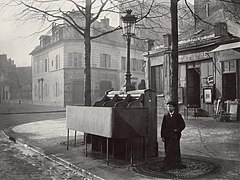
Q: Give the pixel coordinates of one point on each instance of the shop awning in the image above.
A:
(228, 46)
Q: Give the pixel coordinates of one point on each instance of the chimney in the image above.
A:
(105, 22)
(44, 40)
(3, 57)
(167, 40)
(220, 29)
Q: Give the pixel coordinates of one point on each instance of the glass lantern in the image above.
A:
(128, 23)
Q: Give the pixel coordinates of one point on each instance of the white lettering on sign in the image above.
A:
(196, 39)
(192, 57)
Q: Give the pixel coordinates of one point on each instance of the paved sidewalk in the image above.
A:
(204, 138)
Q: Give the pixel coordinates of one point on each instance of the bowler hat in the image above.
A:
(172, 103)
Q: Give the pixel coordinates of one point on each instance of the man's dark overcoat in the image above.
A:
(171, 129)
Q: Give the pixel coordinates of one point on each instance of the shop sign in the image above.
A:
(193, 57)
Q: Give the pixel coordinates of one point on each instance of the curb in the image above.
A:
(33, 112)
(56, 159)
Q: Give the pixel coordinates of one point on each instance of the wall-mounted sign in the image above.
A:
(207, 95)
(193, 57)
(210, 80)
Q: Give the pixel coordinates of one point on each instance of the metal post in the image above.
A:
(128, 73)
(107, 152)
(75, 138)
(67, 138)
(85, 139)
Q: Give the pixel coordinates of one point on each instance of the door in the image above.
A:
(193, 87)
(77, 92)
(229, 86)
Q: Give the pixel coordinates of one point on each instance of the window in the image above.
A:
(229, 66)
(56, 89)
(105, 60)
(79, 59)
(123, 63)
(57, 61)
(143, 65)
(134, 64)
(46, 65)
(74, 59)
(70, 59)
(157, 76)
(45, 90)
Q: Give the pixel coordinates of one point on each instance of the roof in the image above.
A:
(228, 46)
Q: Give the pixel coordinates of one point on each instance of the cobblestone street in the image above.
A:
(20, 162)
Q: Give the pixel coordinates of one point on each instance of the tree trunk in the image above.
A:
(174, 53)
(87, 68)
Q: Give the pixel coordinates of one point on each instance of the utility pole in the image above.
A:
(174, 52)
(87, 68)
(150, 44)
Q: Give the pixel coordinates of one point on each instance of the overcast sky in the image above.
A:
(17, 39)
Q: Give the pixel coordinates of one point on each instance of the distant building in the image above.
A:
(7, 68)
(57, 65)
(15, 82)
(21, 91)
(208, 59)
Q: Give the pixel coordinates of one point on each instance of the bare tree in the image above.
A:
(57, 11)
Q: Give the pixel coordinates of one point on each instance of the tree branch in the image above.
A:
(99, 11)
(105, 33)
(73, 23)
(79, 7)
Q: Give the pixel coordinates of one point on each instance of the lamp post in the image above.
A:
(128, 21)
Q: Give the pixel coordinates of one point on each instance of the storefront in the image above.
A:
(206, 73)
(228, 56)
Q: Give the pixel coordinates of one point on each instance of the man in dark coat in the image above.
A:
(172, 126)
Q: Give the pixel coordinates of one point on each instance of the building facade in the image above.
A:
(208, 62)
(7, 68)
(15, 82)
(58, 65)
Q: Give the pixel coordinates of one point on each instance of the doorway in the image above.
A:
(193, 87)
(229, 86)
